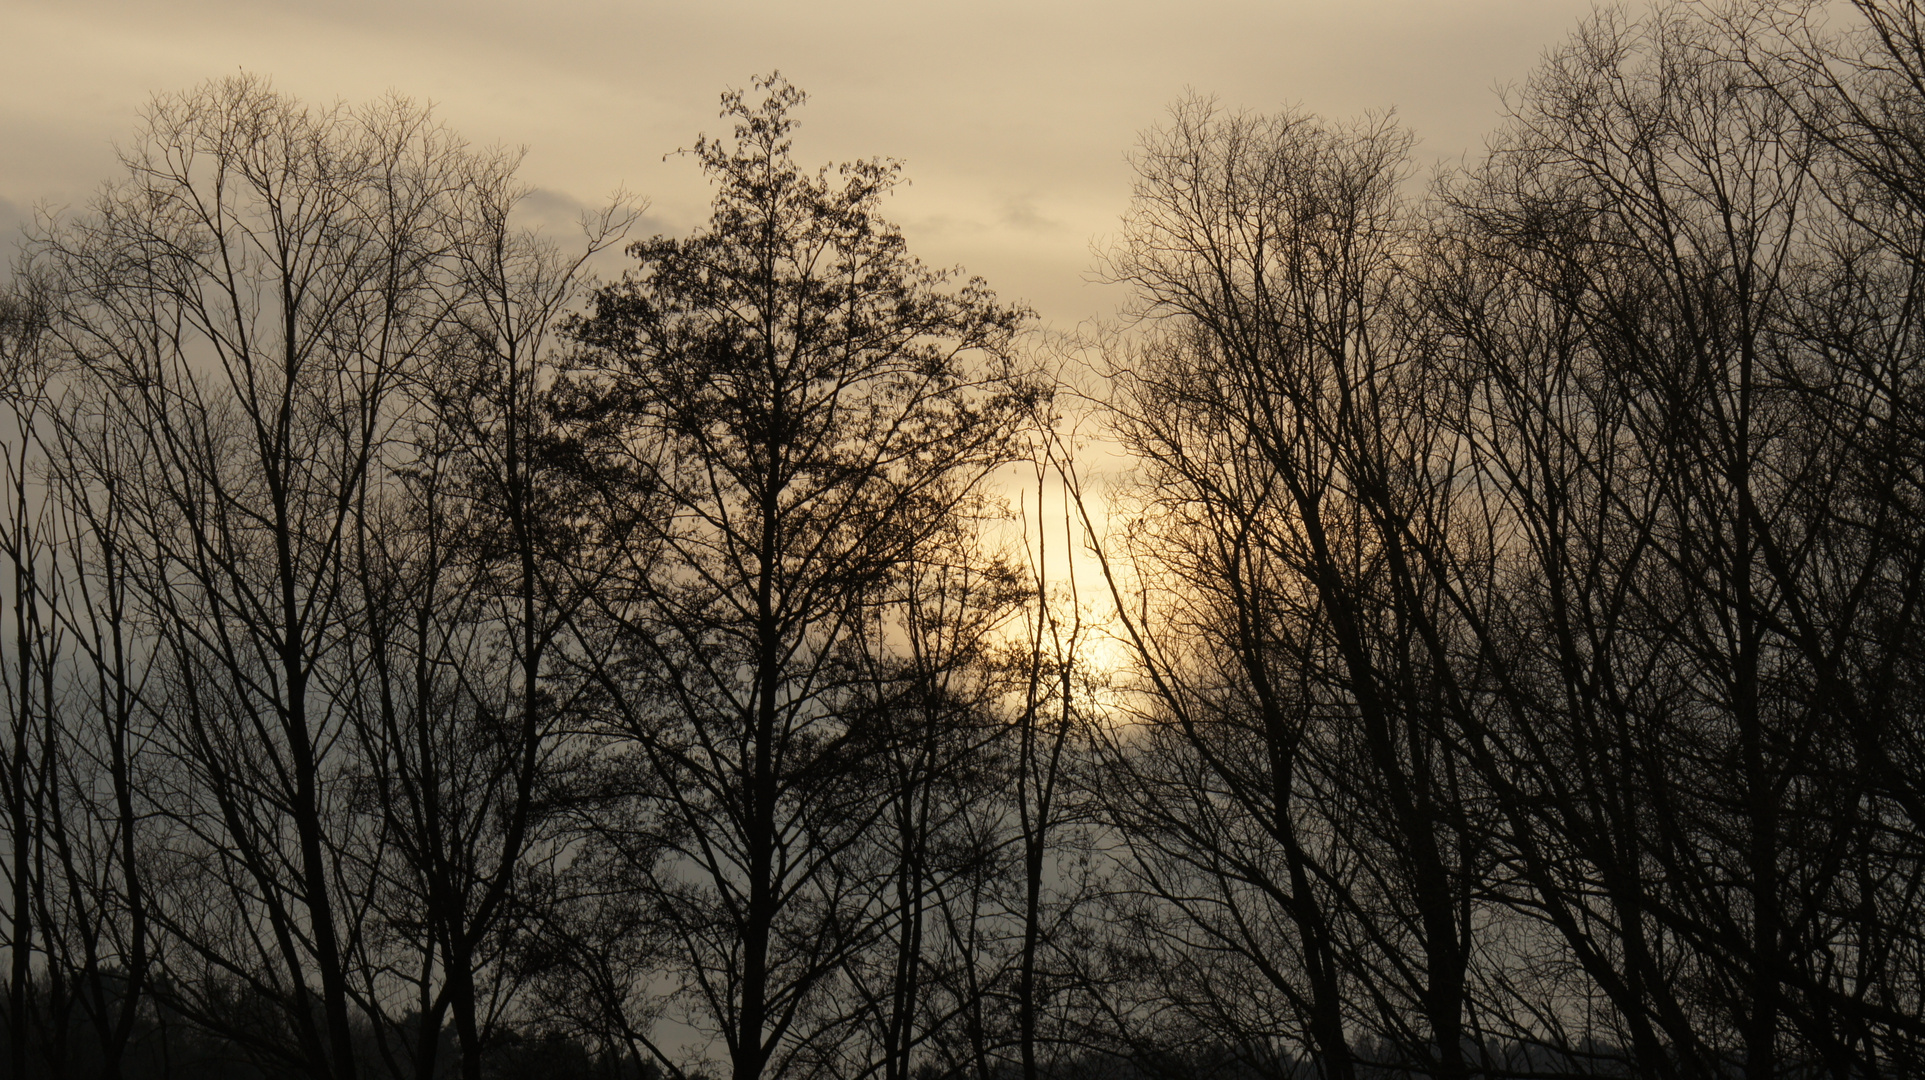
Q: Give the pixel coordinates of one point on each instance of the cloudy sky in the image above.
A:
(1014, 117)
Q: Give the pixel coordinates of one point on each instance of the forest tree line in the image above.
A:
(423, 659)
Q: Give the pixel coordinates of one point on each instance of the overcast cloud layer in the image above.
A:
(1014, 117)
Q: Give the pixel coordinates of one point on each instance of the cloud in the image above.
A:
(1043, 97)
(13, 219)
(1023, 215)
(552, 213)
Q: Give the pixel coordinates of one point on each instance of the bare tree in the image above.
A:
(1686, 422)
(466, 593)
(79, 945)
(30, 765)
(260, 320)
(1293, 802)
(791, 409)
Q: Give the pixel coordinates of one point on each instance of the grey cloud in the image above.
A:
(1034, 96)
(1023, 214)
(13, 220)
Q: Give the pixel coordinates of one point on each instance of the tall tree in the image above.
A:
(455, 696)
(1293, 800)
(1689, 383)
(782, 410)
(79, 945)
(259, 323)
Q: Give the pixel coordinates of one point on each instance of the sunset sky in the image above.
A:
(1014, 117)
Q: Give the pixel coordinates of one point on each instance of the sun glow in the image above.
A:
(1060, 522)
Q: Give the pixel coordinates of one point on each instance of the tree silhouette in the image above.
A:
(779, 413)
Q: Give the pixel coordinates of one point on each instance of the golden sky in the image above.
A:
(1014, 116)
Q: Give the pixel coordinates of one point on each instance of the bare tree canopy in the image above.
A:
(422, 659)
